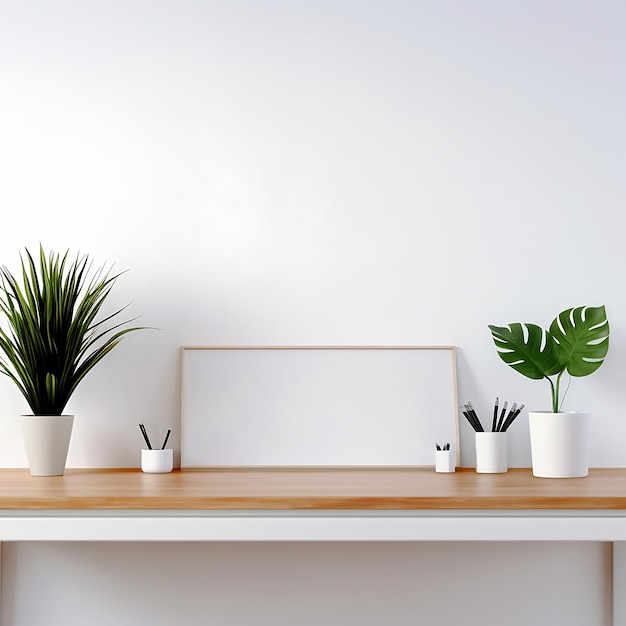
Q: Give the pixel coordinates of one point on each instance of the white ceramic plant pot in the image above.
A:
(559, 443)
(47, 440)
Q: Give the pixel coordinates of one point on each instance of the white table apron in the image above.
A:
(330, 525)
(320, 525)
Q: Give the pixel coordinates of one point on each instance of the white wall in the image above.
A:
(319, 173)
(315, 172)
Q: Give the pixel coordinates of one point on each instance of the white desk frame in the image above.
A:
(330, 525)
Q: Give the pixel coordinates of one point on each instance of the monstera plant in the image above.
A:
(576, 342)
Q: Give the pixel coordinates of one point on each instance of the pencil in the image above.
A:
(499, 427)
(508, 417)
(169, 430)
(472, 418)
(471, 410)
(511, 419)
(495, 416)
(145, 435)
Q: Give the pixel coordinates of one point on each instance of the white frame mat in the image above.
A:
(317, 405)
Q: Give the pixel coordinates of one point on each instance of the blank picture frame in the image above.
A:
(317, 405)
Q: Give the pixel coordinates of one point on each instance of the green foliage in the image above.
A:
(53, 338)
(577, 342)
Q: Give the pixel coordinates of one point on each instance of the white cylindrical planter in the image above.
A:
(491, 453)
(559, 443)
(47, 441)
(157, 461)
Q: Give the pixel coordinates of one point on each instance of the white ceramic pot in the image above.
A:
(47, 440)
(559, 443)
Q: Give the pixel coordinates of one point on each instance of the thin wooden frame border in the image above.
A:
(450, 348)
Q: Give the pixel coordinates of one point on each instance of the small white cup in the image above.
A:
(491, 455)
(444, 461)
(157, 461)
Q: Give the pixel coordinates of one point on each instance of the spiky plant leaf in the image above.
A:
(54, 336)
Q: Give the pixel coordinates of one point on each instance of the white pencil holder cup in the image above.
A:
(491, 453)
(444, 461)
(157, 461)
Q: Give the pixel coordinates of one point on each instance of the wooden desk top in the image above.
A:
(308, 489)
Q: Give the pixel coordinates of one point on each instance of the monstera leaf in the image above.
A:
(528, 349)
(577, 342)
(582, 335)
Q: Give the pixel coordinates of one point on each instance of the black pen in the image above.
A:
(166, 438)
(438, 447)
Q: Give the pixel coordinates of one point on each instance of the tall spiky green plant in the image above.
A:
(54, 337)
